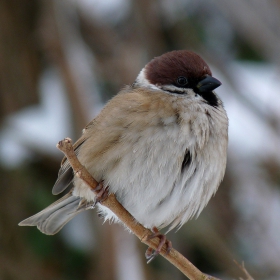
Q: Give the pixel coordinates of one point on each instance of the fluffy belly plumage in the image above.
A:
(150, 179)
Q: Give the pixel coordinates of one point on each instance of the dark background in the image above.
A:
(60, 61)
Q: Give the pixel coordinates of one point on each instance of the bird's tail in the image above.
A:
(54, 217)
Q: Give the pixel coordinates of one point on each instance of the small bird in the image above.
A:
(160, 145)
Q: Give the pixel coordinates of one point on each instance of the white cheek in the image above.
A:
(143, 82)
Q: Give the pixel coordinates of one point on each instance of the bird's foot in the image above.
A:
(150, 253)
(101, 193)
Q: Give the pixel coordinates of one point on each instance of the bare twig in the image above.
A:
(174, 257)
(242, 268)
(55, 33)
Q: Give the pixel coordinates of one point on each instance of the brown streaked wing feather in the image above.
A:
(133, 102)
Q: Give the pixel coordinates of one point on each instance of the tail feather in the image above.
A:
(54, 217)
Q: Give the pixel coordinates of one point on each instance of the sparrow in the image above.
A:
(160, 145)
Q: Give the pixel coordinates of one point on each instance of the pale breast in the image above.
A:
(142, 159)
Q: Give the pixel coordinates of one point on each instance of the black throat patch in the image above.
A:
(210, 97)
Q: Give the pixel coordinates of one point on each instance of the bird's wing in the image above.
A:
(65, 174)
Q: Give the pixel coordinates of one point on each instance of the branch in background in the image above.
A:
(242, 268)
(174, 257)
(249, 20)
(54, 30)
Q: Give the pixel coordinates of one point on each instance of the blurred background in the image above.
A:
(60, 61)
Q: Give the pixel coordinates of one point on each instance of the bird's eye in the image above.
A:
(182, 81)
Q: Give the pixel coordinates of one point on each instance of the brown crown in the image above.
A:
(165, 69)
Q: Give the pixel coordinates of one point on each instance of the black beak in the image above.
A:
(208, 84)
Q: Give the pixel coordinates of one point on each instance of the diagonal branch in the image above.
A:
(174, 257)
